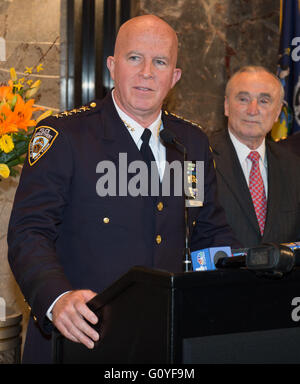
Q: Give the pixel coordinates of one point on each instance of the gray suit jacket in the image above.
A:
(283, 212)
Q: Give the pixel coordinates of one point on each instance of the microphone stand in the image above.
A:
(187, 263)
(187, 252)
(169, 138)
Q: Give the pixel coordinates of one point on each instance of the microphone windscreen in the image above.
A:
(167, 136)
(218, 255)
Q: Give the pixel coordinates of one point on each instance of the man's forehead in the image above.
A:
(255, 79)
(158, 46)
(259, 83)
(259, 94)
(144, 37)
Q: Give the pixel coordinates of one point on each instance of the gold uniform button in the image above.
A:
(93, 105)
(106, 220)
(160, 206)
(158, 239)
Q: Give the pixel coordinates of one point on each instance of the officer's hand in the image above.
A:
(69, 314)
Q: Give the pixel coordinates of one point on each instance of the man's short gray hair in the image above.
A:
(253, 69)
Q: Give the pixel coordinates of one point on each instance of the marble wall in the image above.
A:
(216, 37)
(30, 30)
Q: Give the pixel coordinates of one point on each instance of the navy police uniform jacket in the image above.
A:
(63, 235)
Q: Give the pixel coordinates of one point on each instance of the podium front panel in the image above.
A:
(151, 317)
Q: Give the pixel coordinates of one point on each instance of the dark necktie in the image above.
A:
(145, 148)
(147, 154)
(257, 190)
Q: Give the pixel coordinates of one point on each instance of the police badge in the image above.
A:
(41, 141)
(193, 183)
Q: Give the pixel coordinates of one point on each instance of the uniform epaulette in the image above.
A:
(71, 112)
(182, 118)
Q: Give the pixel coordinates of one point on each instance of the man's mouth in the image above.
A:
(251, 122)
(144, 89)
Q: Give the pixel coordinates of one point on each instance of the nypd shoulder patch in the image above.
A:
(42, 139)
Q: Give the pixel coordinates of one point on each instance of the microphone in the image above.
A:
(237, 261)
(273, 258)
(268, 258)
(170, 138)
(208, 259)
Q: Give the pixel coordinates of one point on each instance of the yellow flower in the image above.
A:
(28, 70)
(4, 171)
(18, 86)
(36, 84)
(29, 82)
(39, 68)
(13, 74)
(33, 89)
(6, 143)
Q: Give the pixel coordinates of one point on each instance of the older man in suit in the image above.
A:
(258, 181)
(68, 239)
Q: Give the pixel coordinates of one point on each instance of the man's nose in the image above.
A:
(147, 69)
(253, 107)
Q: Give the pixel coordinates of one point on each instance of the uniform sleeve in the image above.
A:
(37, 213)
(211, 228)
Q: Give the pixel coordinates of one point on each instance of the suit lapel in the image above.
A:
(274, 189)
(229, 168)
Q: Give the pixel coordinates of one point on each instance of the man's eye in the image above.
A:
(160, 62)
(133, 58)
(243, 99)
(264, 101)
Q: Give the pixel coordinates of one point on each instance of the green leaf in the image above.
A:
(13, 102)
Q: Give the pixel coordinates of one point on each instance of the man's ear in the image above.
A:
(226, 106)
(110, 62)
(279, 111)
(176, 76)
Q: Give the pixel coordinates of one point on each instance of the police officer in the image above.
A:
(68, 240)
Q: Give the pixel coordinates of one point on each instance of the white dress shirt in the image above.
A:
(155, 143)
(243, 151)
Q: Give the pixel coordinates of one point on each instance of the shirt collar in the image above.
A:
(134, 128)
(243, 151)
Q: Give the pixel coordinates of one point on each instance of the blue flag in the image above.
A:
(289, 69)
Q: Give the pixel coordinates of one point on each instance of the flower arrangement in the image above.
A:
(16, 119)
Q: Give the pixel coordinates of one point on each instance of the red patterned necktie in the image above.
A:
(257, 190)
